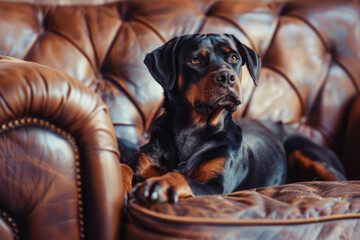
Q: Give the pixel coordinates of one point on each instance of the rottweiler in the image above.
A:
(196, 147)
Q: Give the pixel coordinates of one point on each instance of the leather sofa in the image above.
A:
(83, 99)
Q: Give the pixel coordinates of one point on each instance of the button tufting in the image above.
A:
(11, 222)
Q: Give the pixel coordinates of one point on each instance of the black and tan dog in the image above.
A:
(196, 148)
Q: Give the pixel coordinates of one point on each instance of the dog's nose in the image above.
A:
(225, 78)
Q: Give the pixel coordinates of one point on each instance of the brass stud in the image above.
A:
(81, 209)
(77, 164)
(10, 125)
(77, 170)
(16, 122)
(78, 177)
(82, 235)
(79, 190)
(52, 126)
(63, 133)
(3, 214)
(80, 202)
(82, 229)
(68, 137)
(77, 157)
(28, 120)
(78, 183)
(81, 222)
(76, 150)
(22, 120)
(35, 120)
(73, 143)
(47, 124)
(3, 127)
(41, 121)
(10, 219)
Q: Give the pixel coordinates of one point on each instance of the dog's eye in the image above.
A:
(234, 59)
(195, 61)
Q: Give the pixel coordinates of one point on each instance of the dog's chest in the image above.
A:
(187, 141)
(193, 146)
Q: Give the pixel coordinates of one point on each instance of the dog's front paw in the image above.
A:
(154, 190)
(167, 188)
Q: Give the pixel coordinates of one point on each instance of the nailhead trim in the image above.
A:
(33, 121)
(11, 222)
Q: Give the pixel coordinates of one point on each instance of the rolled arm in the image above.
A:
(59, 164)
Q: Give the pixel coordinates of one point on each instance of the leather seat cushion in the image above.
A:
(312, 210)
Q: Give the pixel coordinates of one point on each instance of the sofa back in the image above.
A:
(310, 52)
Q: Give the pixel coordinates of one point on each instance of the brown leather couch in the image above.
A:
(84, 84)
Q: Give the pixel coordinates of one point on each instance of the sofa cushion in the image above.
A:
(312, 210)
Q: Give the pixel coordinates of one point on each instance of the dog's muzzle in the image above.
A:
(229, 102)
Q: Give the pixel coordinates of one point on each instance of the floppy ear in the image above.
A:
(162, 63)
(252, 60)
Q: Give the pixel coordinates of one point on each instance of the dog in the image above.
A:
(197, 148)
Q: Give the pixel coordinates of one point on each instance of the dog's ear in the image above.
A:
(252, 60)
(162, 63)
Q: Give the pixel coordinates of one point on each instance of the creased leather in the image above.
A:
(308, 49)
(38, 167)
(329, 210)
(5, 231)
(309, 78)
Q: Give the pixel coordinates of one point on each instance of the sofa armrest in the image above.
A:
(60, 173)
(351, 155)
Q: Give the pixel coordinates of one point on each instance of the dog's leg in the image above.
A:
(309, 161)
(202, 180)
(173, 186)
(166, 188)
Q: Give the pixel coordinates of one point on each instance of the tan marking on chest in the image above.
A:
(208, 170)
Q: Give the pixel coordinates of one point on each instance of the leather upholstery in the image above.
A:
(104, 47)
(327, 210)
(62, 165)
(309, 79)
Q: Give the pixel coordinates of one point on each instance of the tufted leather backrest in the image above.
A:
(310, 52)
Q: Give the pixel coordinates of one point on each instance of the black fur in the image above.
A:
(197, 126)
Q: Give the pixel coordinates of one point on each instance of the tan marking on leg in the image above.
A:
(306, 165)
(146, 169)
(179, 182)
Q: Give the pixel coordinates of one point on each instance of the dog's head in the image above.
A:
(204, 69)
